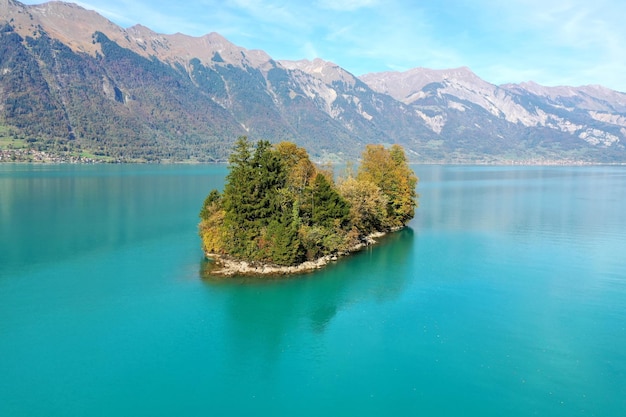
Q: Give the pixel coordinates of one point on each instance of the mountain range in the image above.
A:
(73, 82)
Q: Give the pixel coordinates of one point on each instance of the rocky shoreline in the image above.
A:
(228, 267)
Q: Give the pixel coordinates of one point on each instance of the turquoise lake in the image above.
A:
(506, 296)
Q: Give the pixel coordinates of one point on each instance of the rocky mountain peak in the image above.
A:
(180, 47)
(69, 23)
(74, 26)
(171, 107)
(588, 97)
(326, 71)
(407, 86)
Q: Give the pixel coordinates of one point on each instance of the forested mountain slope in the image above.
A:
(72, 82)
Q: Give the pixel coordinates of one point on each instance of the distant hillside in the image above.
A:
(586, 123)
(72, 82)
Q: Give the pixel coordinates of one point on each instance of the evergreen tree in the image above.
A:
(328, 209)
(251, 197)
(277, 207)
(238, 202)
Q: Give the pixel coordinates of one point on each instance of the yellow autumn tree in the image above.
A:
(367, 205)
(389, 170)
(301, 171)
(212, 219)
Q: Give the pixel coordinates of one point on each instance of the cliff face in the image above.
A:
(73, 81)
(543, 115)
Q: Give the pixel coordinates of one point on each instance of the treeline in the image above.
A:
(277, 207)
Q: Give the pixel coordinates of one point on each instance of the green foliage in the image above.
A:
(252, 203)
(278, 207)
(284, 245)
(211, 203)
(115, 106)
(317, 241)
(328, 208)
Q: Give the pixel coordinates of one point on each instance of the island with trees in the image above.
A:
(279, 213)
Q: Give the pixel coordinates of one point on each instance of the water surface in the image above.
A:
(506, 296)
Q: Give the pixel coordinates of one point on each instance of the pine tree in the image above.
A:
(330, 209)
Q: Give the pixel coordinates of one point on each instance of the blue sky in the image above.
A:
(552, 42)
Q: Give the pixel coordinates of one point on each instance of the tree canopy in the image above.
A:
(278, 207)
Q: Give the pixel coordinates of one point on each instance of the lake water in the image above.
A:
(505, 297)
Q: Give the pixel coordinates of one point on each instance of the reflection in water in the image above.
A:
(263, 312)
(556, 201)
(64, 210)
(322, 316)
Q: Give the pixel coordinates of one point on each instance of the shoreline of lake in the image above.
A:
(31, 156)
(227, 266)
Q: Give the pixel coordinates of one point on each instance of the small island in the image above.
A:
(279, 213)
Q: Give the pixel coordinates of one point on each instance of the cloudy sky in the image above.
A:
(552, 42)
